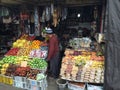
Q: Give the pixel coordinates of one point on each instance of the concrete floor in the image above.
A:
(51, 86)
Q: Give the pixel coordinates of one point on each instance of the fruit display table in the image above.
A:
(25, 62)
(82, 66)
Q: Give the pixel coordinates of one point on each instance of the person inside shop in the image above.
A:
(53, 53)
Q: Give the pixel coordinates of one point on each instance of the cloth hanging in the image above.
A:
(7, 19)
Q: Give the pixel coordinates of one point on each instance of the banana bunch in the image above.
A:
(4, 68)
(82, 57)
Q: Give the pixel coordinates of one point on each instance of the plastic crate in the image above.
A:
(37, 84)
(6, 79)
(32, 82)
(22, 85)
(0, 78)
(33, 87)
(40, 83)
(10, 80)
(20, 79)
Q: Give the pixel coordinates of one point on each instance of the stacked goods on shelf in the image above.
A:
(83, 66)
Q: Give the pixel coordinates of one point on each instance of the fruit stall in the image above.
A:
(24, 65)
(82, 65)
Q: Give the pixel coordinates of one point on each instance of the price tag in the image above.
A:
(24, 64)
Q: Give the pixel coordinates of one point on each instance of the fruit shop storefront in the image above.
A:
(91, 64)
(79, 66)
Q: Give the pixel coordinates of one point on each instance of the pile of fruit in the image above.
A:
(32, 74)
(97, 56)
(12, 52)
(79, 67)
(7, 69)
(21, 71)
(19, 43)
(24, 52)
(13, 60)
(4, 68)
(27, 45)
(19, 59)
(37, 63)
(9, 59)
(15, 70)
(11, 70)
(36, 44)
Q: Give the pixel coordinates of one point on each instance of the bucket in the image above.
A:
(61, 84)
